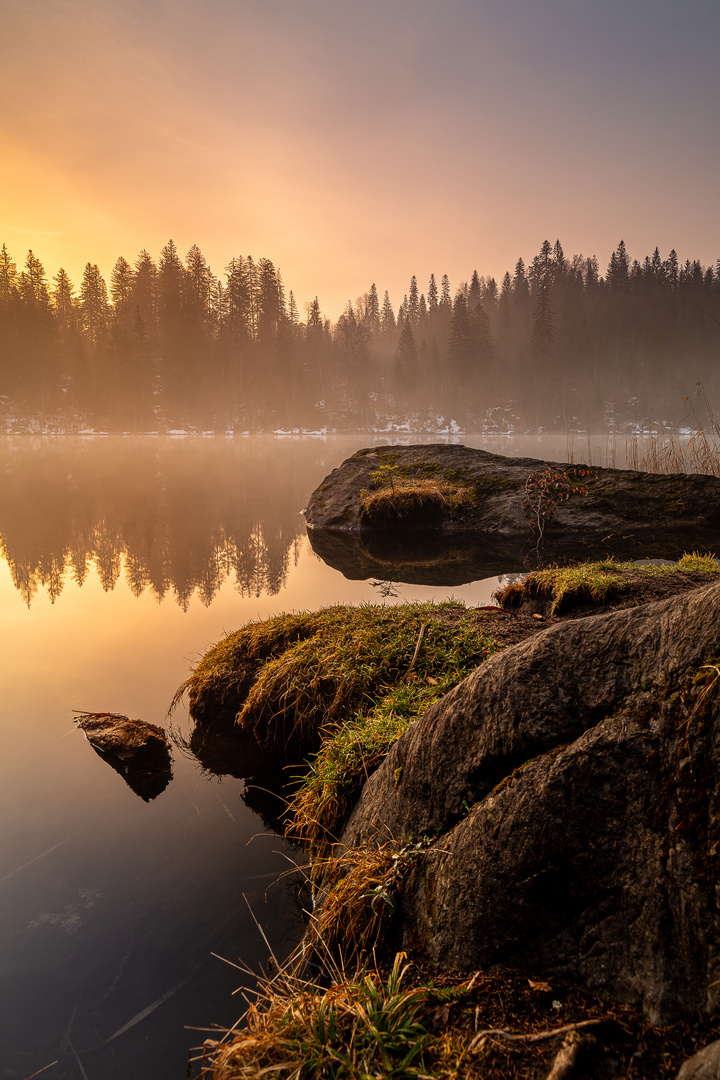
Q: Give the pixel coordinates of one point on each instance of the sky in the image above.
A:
(359, 141)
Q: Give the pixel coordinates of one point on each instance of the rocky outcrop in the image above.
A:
(138, 751)
(572, 784)
(474, 499)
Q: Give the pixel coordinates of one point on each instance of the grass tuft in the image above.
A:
(696, 561)
(360, 891)
(360, 1027)
(422, 501)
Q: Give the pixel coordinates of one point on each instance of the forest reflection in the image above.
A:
(172, 518)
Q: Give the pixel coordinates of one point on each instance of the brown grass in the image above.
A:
(359, 893)
(422, 501)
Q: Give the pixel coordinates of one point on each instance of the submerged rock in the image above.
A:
(573, 783)
(368, 516)
(138, 751)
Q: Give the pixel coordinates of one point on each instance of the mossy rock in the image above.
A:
(571, 782)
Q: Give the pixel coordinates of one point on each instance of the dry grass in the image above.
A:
(666, 451)
(415, 1023)
(359, 893)
(422, 501)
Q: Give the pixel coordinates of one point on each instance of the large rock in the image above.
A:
(573, 784)
(704, 1065)
(622, 512)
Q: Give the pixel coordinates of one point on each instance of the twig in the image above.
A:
(272, 954)
(423, 628)
(533, 1037)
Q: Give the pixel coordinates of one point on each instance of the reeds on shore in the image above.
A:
(693, 446)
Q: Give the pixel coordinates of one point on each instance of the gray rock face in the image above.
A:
(572, 782)
(705, 1065)
(620, 509)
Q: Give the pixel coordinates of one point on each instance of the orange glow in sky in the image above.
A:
(361, 142)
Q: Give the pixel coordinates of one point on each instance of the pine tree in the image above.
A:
(490, 295)
(618, 271)
(543, 334)
(542, 268)
(432, 295)
(671, 268)
(352, 337)
(474, 295)
(122, 279)
(238, 320)
(144, 291)
(8, 276)
(413, 302)
(33, 284)
(521, 288)
(406, 363)
(93, 307)
(63, 302)
(197, 281)
(269, 306)
(460, 344)
(170, 293)
(387, 319)
(372, 313)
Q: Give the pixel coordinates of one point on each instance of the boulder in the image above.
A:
(376, 514)
(572, 784)
(705, 1065)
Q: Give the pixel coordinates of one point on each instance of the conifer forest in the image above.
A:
(166, 344)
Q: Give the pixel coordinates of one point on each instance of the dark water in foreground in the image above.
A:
(122, 561)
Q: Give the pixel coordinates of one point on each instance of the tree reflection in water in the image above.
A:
(173, 517)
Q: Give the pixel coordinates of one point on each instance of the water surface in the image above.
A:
(122, 561)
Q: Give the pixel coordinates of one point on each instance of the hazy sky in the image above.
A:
(352, 142)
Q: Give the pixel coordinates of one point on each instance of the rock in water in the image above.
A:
(138, 751)
(382, 511)
(573, 785)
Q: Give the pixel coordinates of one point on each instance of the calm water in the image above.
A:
(122, 561)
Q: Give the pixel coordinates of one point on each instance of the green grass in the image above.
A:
(597, 580)
(349, 752)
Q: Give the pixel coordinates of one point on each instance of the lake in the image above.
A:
(123, 560)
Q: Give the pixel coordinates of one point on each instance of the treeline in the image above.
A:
(168, 344)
